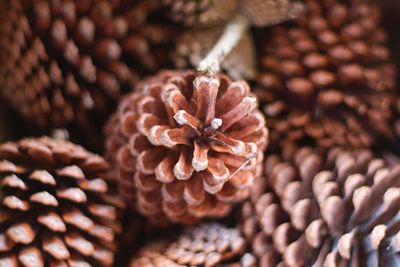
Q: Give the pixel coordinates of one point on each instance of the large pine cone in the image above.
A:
(326, 78)
(186, 146)
(205, 245)
(65, 63)
(341, 209)
(56, 207)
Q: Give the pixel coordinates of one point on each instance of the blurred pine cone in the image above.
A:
(207, 245)
(205, 13)
(326, 78)
(65, 63)
(56, 207)
(193, 46)
(269, 12)
(341, 209)
(187, 146)
(200, 13)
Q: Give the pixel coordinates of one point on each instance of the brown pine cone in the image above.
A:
(270, 12)
(326, 78)
(56, 207)
(200, 13)
(192, 47)
(207, 245)
(341, 209)
(65, 63)
(186, 146)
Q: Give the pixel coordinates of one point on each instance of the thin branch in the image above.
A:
(231, 36)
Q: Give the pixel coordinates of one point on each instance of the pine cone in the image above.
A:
(193, 46)
(206, 245)
(56, 209)
(341, 209)
(67, 62)
(200, 13)
(187, 146)
(270, 12)
(326, 78)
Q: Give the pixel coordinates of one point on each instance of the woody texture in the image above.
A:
(338, 209)
(200, 13)
(186, 146)
(326, 78)
(65, 63)
(207, 245)
(57, 208)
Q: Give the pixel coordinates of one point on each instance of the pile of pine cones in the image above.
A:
(171, 133)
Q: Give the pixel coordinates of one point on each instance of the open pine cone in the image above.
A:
(56, 207)
(341, 209)
(207, 245)
(326, 78)
(65, 63)
(186, 147)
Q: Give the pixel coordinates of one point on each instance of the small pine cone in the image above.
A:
(200, 13)
(338, 209)
(326, 78)
(65, 63)
(56, 209)
(186, 146)
(207, 245)
(193, 46)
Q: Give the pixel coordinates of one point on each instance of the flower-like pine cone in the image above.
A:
(57, 208)
(200, 13)
(186, 146)
(67, 62)
(326, 79)
(338, 209)
(207, 245)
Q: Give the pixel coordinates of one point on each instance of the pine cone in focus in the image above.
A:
(56, 209)
(193, 46)
(326, 78)
(186, 147)
(341, 209)
(65, 63)
(207, 245)
(200, 13)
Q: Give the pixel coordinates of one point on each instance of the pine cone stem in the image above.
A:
(60, 134)
(231, 36)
